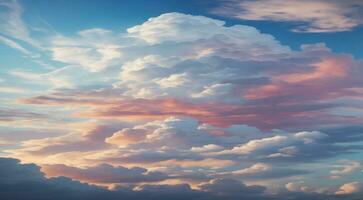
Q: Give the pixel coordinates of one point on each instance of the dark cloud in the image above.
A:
(26, 182)
(353, 133)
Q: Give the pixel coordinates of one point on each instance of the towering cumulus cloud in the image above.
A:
(182, 106)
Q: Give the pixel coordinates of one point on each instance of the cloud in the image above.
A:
(14, 114)
(95, 50)
(242, 76)
(309, 137)
(207, 148)
(148, 75)
(59, 78)
(350, 188)
(256, 168)
(299, 85)
(13, 44)
(11, 21)
(105, 174)
(305, 16)
(127, 136)
(346, 167)
(173, 80)
(257, 144)
(13, 90)
(209, 31)
(214, 90)
(298, 187)
(16, 177)
(152, 31)
(231, 187)
(179, 142)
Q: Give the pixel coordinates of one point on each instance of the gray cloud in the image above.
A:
(26, 182)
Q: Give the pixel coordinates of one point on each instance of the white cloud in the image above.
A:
(11, 23)
(127, 136)
(199, 45)
(12, 90)
(257, 144)
(207, 148)
(57, 77)
(256, 168)
(212, 34)
(90, 58)
(181, 28)
(13, 44)
(173, 80)
(152, 68)
(309, 137)
(214, 90)
(93, 49)
(315, 16)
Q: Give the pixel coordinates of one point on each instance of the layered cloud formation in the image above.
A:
(183, 104)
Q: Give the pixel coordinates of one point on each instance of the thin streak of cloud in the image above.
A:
(305, 16)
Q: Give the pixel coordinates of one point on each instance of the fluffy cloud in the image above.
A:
(180, 146)
(257, 144)
(153, 70)
(227, 91)
(256, 168)
(350, 188)
(153, 32)
(127, 136)
(313, 16)
(201, 28)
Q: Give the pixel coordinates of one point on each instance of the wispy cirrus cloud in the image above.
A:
(13, 44)
(305, 16)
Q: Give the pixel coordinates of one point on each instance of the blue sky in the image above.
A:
(213, 99)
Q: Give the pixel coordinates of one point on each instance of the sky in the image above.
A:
(181, 99)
